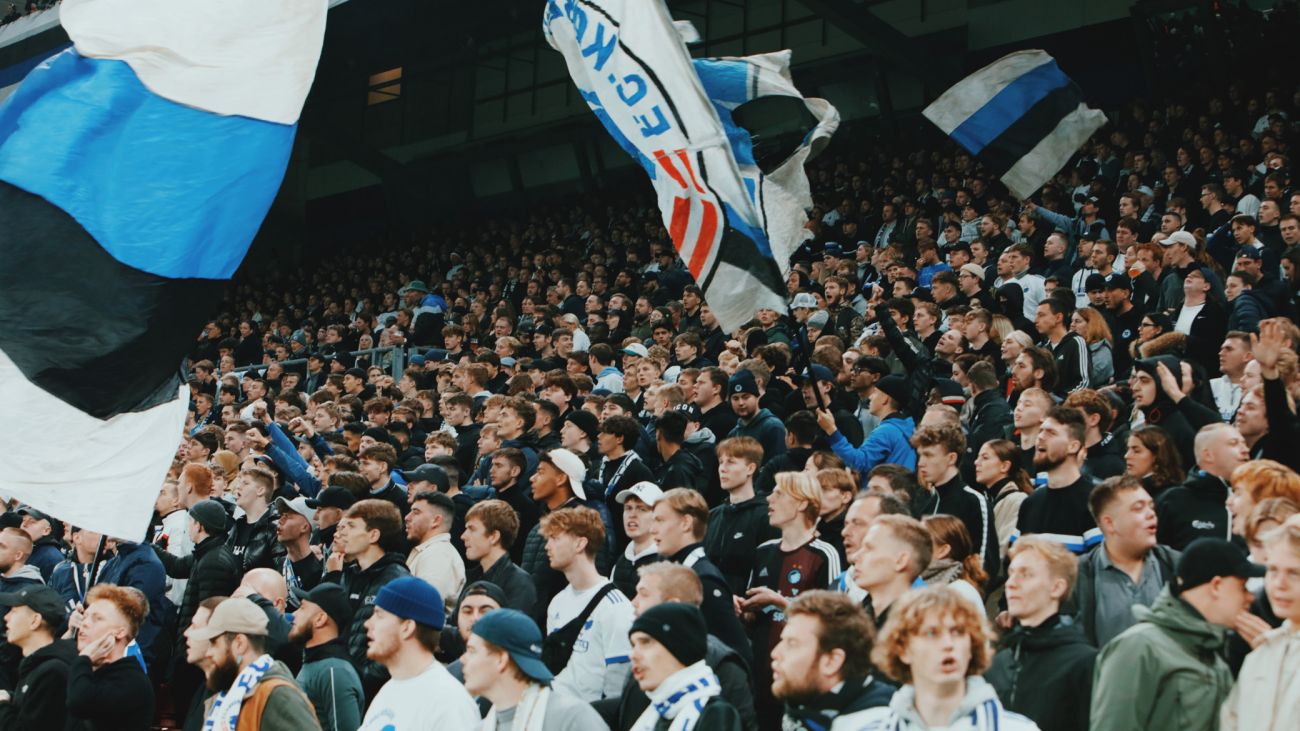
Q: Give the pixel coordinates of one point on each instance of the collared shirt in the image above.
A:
(1117, 593)
(437, 562)
(1227, 396)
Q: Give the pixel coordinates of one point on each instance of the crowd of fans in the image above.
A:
(14, 11)
(1002, 464)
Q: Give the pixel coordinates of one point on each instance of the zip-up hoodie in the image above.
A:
(1045, 672)
(332, 684)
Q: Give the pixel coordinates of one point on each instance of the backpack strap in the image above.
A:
(250, 714)
(557, 647)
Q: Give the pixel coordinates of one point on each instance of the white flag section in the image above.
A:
(1021, 116)
(629, 62)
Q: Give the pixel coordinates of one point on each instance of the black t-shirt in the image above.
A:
(1061, 514)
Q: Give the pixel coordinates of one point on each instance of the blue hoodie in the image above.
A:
(889, 443)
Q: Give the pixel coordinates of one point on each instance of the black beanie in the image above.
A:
(678, 627)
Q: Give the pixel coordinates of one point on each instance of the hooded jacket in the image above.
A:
(1196, 509)
(47, 552)
(1045, 673)
(733, 677)
(1164, 673)
(979, 710)
(1163, 412)
(889, 443)
(767, 429)
(40, 695)
(702, 444)
(362, 585)
(1267, 694)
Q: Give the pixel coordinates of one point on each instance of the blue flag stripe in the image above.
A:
(1007, 106)
(117, 142)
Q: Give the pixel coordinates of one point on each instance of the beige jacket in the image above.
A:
(1267, 694)
(437, 562)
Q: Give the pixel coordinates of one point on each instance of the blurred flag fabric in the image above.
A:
(733, 226)
(135, 169)
(1021, 116)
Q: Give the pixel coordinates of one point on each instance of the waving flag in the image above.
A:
(1021, 116)
(728, 221)
(135, 169)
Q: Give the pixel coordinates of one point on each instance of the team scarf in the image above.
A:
(225, 711)
(680, 699)
(530, 714)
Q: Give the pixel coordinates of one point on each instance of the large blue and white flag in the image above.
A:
(1021, 116)
(135, 169)
(733, 226)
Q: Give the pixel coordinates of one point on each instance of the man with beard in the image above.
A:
(35, 617)
(1061, 511)
(821, 668)
(403, 633)
(107, 689)
(250, 685)
(327, 675)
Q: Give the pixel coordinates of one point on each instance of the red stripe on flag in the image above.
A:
(686, 163)
(667, 164)
(681, 219)
(704, 244)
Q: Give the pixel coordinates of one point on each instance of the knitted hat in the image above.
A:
(895, 387)
(210, 515)
(678, 627)
(412, 598)
(586, 421)
(742, 382)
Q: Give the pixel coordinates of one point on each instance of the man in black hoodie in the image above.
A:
(1044, 666)
(738, 526)
(680, 467)
(36, 616)
(821, 668)
(107, 688)
(368, 556)
(1197, 508)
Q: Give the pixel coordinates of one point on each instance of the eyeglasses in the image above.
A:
(1147, 324)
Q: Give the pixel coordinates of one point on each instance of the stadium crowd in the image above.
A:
(1002, 464)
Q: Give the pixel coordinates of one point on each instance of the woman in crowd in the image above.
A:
(1091, 326)
(1005, 482)
(953, 562)
(1153, 458)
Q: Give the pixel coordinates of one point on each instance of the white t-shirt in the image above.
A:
(430, 701)
(602, 653)
(1185, 317)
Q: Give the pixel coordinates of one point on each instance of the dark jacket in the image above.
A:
(959, 500)
(40, 696)
(734, 533)
(718, 609)
(362, 585)
(254, 544)
(520, 498)
(116, 697)
(1105, 458)
(767, 429)
(70, 579)
(683, 469)
(212, 570)
(1246, 311)
(1206, 335)
(47, 552)
(513, 581)
(855, 696)
(792, 460)
(1195, 509)
(137, 566)
(733, 675)
(720, 420)
(990, 415)
(1045, 673)
(547, 582)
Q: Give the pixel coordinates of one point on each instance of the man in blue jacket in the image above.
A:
(889, 443)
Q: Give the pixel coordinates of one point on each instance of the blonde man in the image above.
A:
(1043, 668)
(785, 567)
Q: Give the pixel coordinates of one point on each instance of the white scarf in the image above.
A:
(680, 699)
(530, 714)
(225, 711)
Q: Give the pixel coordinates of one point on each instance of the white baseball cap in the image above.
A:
(645, 491)
(570, 464)
(804, 299)
(297, 505)
(1180, 237)
(636, 349)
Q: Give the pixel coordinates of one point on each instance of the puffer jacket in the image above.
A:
(1045, 672)
(1164, 673)
(254, 544)
(362, 585)
(979, 710)
(212, 570)
(1267, 694)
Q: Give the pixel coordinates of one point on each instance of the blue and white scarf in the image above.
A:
(680, 699)
(225, 711)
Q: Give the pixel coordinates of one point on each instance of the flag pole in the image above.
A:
(94, 569)
(801, 333)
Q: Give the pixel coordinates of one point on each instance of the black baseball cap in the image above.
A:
(56, 525)
(429, 473)
(332, 497)
(1206, 558)
(1118, 281)
(41, 599)
(332, 599)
